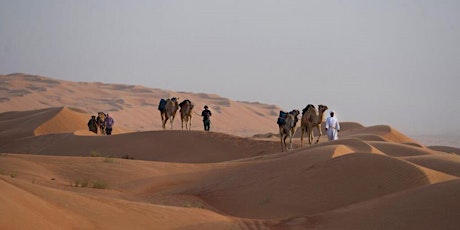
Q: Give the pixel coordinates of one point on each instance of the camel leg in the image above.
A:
(281, 141)
(284, 143)
(164, 122)
(172, 121)
(290, 142)
(301, 137)
(319, 135)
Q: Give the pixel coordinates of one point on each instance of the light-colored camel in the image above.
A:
(169, 111)
(186, 108)
(100, 122)
(288, 128)
(311, 118)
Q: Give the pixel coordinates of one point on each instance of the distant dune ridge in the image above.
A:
(22, 92)
(54, 174)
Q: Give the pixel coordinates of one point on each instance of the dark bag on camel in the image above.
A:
(282, 118)
(162, 104)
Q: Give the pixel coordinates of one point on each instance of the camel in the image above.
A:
(186, 108)
(100, 122)
(288, 128)
(311, 118)
(169, 111)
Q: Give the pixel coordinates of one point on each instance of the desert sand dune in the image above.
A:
(55, 174)
(399, 150)
(168, 146)
(426, 207)
(133, 107)
(303, 189)
(446, 149)
(447, 163)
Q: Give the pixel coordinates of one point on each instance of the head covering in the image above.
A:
(332, 111)
(205, 106)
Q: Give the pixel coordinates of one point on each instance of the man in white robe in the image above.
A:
(332, 127)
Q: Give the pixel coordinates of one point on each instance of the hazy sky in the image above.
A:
(373, 62)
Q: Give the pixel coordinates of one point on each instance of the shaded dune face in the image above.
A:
(54, 174)
(258, 190)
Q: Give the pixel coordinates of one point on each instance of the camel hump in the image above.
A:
(186, 101)
(307, 108)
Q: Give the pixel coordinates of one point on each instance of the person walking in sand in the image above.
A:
(109, 122)
(206, 114)
(92, 124)
(332, 127)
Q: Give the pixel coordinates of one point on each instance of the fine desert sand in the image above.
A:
(55, 174)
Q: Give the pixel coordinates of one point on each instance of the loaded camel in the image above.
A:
(287, 125)
(186, 108)
(312, 118)
(168, 109)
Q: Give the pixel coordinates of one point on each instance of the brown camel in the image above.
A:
(186, 108)
(288, 128)
(311, 118)
(169, 111)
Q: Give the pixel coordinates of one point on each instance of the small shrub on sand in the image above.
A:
(99, 185)
(13, 174)
(87, 184)
(81, 183)
(127, 157)
(193, 205)
(95, 153)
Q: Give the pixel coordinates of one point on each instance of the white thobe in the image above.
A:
(332, 126)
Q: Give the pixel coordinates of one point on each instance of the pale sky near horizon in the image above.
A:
(373, 62)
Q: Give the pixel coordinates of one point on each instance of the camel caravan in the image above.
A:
(98, 124)
(168, 109)
(311, 118)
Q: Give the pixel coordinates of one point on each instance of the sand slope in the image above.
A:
(133, 107)
(54, 174)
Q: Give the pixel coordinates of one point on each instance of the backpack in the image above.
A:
(162, 104)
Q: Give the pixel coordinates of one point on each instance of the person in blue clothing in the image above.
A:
(109, 122)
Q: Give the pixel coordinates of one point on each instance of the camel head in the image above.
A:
(322, 108)
(295, 112)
